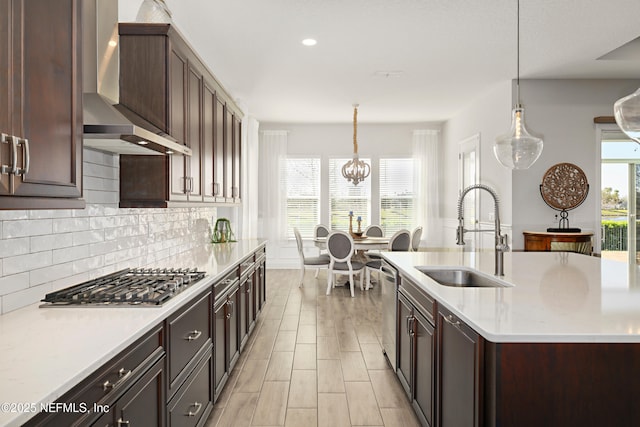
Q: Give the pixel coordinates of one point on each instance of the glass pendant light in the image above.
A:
(355, 170)
(627, 113)
(518, 149)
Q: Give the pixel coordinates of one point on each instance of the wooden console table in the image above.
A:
(553, 241)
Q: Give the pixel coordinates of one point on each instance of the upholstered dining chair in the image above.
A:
(374, 230)
(341, 248)
(400, 241)
(320, 230)
(318, 262)
(415, 238)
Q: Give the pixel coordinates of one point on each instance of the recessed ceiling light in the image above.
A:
(387, 74)
(309, 42)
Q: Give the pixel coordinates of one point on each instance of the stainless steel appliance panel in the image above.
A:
(389, 290)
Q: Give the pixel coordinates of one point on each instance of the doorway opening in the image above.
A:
(620, 191)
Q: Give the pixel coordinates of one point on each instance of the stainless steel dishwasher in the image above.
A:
(389, 292)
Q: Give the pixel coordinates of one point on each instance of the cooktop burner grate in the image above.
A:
(133, 287)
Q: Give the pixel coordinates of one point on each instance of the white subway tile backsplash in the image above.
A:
(64, 225)
(13, 247)
(13, 215)
(14, 283)
(48, 242)
(22, 228)
(88, 237)
(26, 262)
(85, 265)
(45, 250)
(73, 253)
(24, 297)
(54, 272)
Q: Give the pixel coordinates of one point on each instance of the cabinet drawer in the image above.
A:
(247, 266)
(193, 402)
(418, 297)
(222, 286)
(188, 331)
(108, 383)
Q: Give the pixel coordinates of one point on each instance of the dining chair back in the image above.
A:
(321, 230)
(341, 248)
(374, 231)
(318, 262)
(400, 241)
(415, 238)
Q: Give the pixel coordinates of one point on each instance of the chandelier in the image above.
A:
(355, 170)
(518, 149)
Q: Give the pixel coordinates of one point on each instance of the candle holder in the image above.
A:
(355, 234)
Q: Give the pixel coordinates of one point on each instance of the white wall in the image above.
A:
(562, 112)
(489, 116)
(336, 140)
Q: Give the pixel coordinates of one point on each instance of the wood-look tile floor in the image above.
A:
(314, 360)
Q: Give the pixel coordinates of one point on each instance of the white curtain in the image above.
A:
(272, 202)
(425, 155)
(250, 183)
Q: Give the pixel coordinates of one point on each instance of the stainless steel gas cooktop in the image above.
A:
(129, 287)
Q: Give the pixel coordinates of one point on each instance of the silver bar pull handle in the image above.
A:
(14, 155)
(123, 423)
(4, 139)
(122, 373)
(26, 159)
(193, 335)
(197, 406)
(452, 321)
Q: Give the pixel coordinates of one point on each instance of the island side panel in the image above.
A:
(562, 384)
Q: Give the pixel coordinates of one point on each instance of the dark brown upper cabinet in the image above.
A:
(41, 104)
(163, 80)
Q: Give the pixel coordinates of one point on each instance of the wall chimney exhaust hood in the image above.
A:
(109, 126)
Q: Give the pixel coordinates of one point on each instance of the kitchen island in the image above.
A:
(560, 346)
(45, 352)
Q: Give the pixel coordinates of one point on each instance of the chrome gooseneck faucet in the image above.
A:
(500, 239)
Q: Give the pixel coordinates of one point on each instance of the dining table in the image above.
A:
(361, 246)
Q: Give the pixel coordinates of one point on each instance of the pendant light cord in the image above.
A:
(518, 54)
(355, 129)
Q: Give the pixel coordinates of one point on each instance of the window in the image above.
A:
(303, 195)
(397, 196)
(345, 197)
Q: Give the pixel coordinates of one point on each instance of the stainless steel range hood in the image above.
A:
(109, 126)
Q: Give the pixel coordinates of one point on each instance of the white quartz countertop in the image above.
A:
(44, 352)
(555, 297)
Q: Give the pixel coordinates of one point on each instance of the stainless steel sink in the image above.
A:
(461, 277)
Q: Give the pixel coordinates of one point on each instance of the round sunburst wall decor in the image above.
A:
(564, 187)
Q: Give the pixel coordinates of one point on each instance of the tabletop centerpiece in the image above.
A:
(355, 234)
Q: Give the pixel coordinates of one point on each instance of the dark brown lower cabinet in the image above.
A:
(142, 405)
(220, 371)
(416, 350)
(460, 363)
(193, 402)
(233, 326)
(243, 296)
(133, 379)
(226, 330)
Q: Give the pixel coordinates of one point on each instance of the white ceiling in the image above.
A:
(449, 51)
